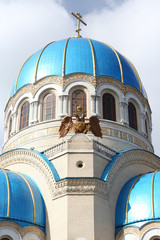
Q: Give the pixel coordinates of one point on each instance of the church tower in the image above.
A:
(80, 187)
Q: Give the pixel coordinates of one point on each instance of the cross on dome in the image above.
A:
(78, 16)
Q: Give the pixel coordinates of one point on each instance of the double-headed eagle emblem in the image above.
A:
(80, 126)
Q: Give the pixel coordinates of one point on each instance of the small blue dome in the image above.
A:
(77, 55)
(20, 200)
(139, 201)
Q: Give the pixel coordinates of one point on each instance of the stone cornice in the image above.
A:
(68, 186)
(80, 186)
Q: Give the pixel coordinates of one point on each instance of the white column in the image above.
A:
(124, 113)
(65, 105)
(142, 123)
(61, 106)
(5, 133)
(33, 113)
(14, 121)
(98, 106)
(93, 105)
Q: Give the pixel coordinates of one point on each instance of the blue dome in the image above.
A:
(77, 55)
(20, 200)
(139, 201)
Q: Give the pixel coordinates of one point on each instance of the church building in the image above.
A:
(79, 186)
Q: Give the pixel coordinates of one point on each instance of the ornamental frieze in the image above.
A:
(80, 186)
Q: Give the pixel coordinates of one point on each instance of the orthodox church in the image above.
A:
(80, 186)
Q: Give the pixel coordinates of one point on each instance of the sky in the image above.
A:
(132, 27)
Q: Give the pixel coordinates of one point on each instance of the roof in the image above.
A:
(21, 201)
(77, 55)
(138, 202)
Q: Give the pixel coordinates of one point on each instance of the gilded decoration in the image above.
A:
(22, 231)
(139, 232)
(54, 131)
(80, 125)
(63, 82)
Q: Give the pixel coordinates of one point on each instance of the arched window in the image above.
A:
(6, 238)
(49, 107)
(10, 127)
(78, 98)
(109, 110)
(132, 116)
(24, 118)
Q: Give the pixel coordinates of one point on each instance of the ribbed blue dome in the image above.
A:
(77, 55)
(139, 201)
(20, 200)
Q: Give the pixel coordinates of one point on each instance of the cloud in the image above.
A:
(25, 27)
(132, 29)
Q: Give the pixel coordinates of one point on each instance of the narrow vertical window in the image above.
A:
(49, 107)
(132, 116)
(78, 99)
(146, 126)
(24, 118)
(10, 127)
(109, 110)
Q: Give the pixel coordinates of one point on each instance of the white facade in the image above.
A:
(80, 205)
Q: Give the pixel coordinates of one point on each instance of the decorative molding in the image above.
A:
(63, 82)
(78, 77)
(20, 230)
(131, 157)
(139, 232)
(80, 186)
(31, 158)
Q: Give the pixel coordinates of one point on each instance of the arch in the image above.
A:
(32, 235)
(7, 114)
(6, 238)
(45, 88)
(87, 85)
(8, 124)
(36, 159)
(109, 108)
(9, 234)
(152, 233)
(118, 96)
(49, 106)
(107, 86)
(131, 96)
(78, 99)
(132, 116)
(22, 98)
(24, 115)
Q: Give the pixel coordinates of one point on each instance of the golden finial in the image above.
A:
(78, 16)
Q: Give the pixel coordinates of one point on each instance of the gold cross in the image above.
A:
(78, 16)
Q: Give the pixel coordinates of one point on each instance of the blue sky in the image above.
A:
(131, 26)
